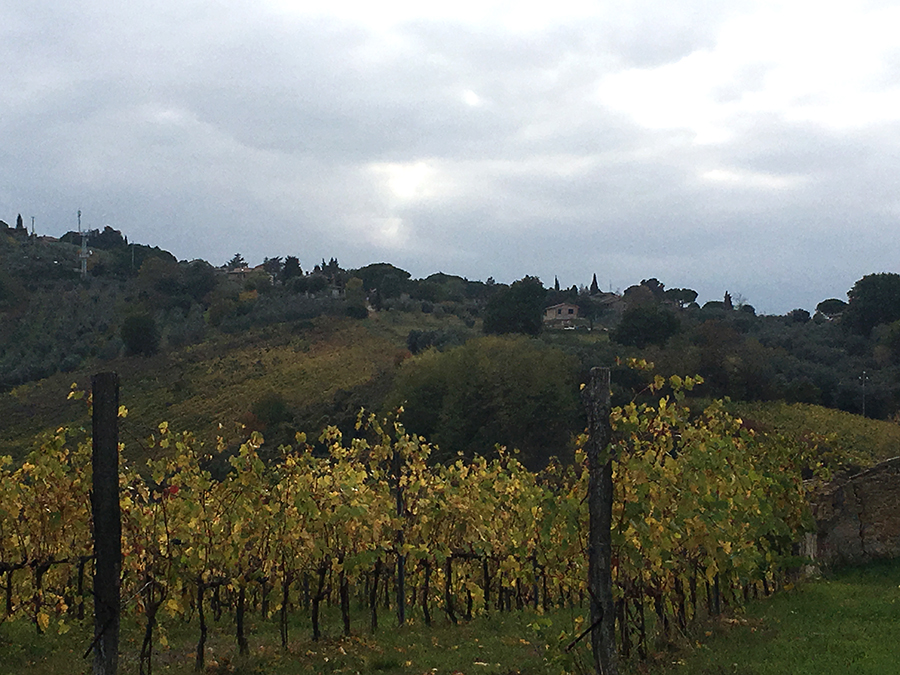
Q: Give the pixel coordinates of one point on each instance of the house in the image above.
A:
(240, 273)
(563, 314)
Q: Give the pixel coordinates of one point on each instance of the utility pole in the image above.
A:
(864, 378)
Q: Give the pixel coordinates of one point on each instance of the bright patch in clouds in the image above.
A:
(677, 95)
(471, 98)
(407, 182)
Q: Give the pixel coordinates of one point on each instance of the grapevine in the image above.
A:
(705, 514)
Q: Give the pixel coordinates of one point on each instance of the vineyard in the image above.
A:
(703, 518)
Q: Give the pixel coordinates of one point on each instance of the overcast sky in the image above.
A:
(750, 147)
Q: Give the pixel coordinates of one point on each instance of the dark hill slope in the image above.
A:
(317, 373)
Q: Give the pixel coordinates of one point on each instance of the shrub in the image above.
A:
(140, 335)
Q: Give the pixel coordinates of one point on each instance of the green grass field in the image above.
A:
(848, 622)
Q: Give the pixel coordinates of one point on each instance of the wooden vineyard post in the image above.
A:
(399, 540)
(596, 400)
(107, 522)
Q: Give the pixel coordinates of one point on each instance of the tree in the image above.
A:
(355, 299)
(160, 283)
(874, 299)
(332, 270)
(491, 390)
(199, 279)
(595, 288)
(259, 281)
(108, 239)
(832, 307)
(440, 287)
(236, 262)
(19, 224)
(642, 325)
(727, 303)
(516, 309)
(273, 266)
(314, 283)
(798, 315)
(140, 335)
(639, 295)
(290, 269)
(390, 281)
(590, 307)
(11, 291)
(656, 287)
(891, 339)
(681, 296)
(713, 308)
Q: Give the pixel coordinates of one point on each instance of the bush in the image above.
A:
(272, 409)
(356, 312)
(140, 335)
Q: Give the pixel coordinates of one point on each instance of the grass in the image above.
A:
(498, 644)
(847, 622)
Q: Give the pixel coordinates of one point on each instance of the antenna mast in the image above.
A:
(84, 253)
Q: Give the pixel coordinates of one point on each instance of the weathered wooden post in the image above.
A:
(596, 401)
(107, 522)
(399, 538)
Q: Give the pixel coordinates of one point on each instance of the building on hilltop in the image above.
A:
(563, 314)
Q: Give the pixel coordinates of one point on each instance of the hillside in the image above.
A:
(297, 376)
(848, 440)
(279, 348)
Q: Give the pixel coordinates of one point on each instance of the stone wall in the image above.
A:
(858, 517)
